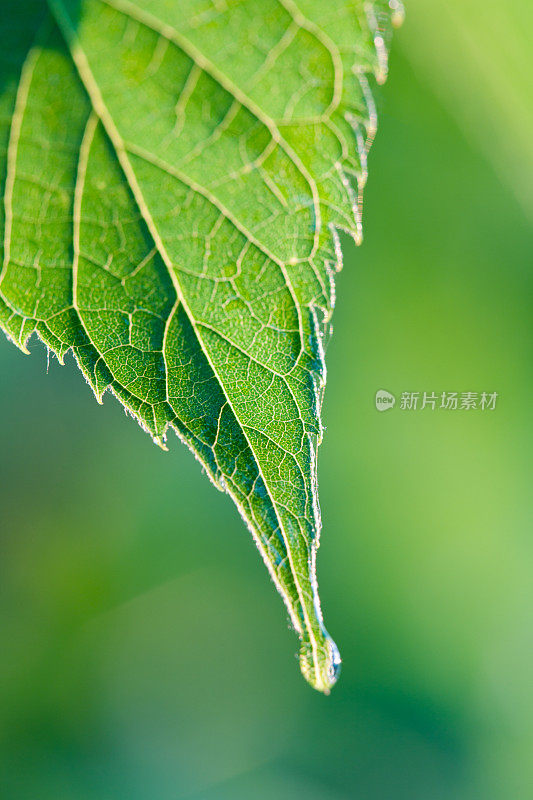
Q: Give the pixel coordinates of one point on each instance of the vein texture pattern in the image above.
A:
(174, 176)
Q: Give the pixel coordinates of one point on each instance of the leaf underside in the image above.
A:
(174, 174)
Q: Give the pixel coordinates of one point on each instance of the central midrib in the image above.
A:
(101, 110)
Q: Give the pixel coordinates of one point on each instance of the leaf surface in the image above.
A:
(174, 175)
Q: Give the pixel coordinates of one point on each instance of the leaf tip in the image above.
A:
(320, 663)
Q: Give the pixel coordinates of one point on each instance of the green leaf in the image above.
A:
(174, 177)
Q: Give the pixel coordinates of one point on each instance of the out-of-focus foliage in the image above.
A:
(480, 65)
(110, 615)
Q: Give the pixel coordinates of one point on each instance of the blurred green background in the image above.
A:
(145, 654)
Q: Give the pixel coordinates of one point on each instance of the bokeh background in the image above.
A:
(145, 654)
